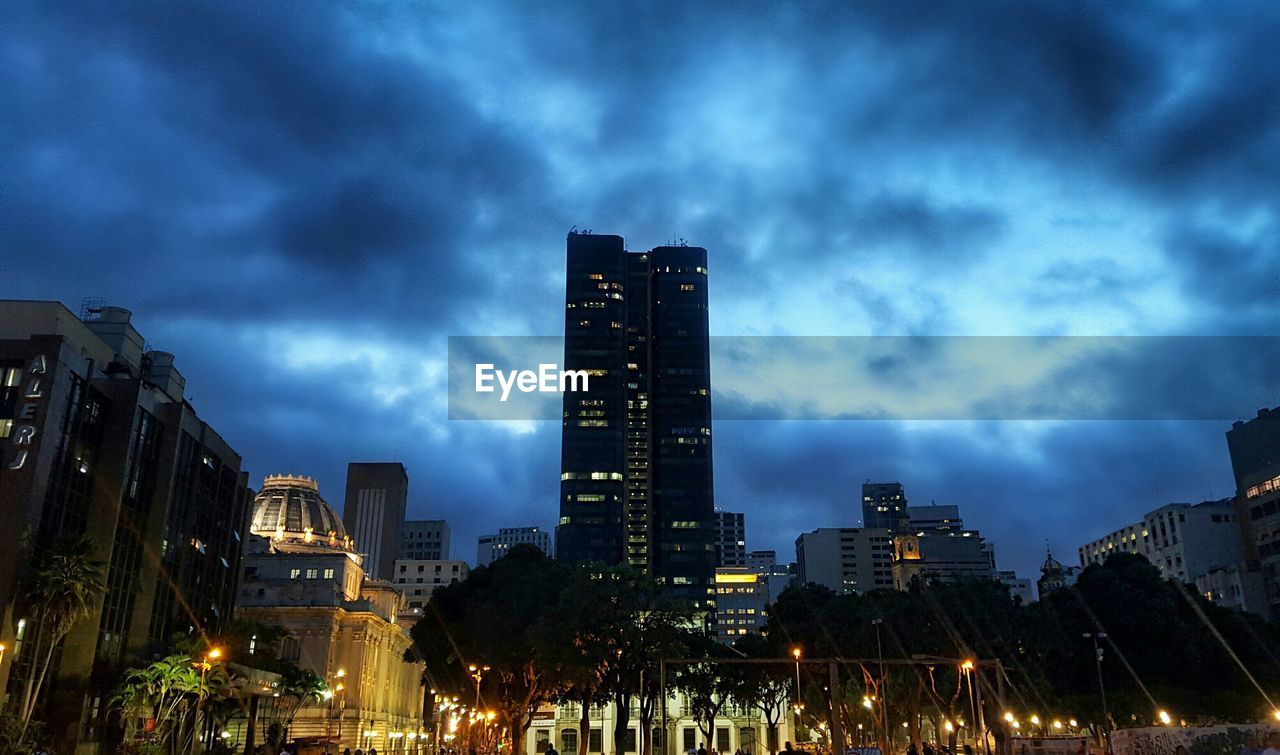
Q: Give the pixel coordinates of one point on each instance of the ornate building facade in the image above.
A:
(302, 573)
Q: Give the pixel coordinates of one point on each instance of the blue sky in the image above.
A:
(303, 201)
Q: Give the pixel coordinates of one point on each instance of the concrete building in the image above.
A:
(490, 548)
(741, 597)
(1235, 587)
(303, 573)
(417, 579)
(847, 560)
(374, 512)
(1018, 586)
(777, 577)
(731, 538)
(943, 555)
(1185, 541)
(97, 439)
(934, 518)
(425, 539)
(1255, 463)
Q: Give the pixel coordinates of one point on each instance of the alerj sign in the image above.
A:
(24, 430)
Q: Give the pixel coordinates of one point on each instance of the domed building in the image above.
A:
(290, 509)
(1055, 576)
(303, 574)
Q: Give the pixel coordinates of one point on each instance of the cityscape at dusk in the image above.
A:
(247, 250)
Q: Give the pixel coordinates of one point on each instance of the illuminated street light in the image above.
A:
(1164, 717)
(1057, 724)
(967, 665)
(1074, 723)
(1008, 716)
(1274, 714)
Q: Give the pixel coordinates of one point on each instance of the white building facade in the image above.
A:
(1184, 541)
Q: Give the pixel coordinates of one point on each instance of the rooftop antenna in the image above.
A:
(91, 307)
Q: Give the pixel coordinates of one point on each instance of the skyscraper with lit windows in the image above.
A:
(635, 482)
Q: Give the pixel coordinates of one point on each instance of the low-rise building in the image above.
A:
(737, 727)
(417, 579)
(944, 555)
(1235, 587)
(741, 598)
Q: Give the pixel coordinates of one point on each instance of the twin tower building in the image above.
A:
(635, 470)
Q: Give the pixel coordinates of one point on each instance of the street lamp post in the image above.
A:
(477, 673)
(795, 735)
(204, 666)
(339, 688)
(1102, 688)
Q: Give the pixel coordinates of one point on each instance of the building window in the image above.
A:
(328, 573)
(295, 573)
(312, 573)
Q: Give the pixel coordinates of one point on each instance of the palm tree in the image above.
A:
(301, 686)
(64, 590)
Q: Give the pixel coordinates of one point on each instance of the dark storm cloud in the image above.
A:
(303, 201)
(222, 141)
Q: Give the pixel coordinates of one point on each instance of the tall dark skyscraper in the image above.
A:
(884, 506)
(635, 482)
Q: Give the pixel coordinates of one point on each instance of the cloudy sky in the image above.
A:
(304, 200)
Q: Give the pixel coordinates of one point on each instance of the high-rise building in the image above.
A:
(490, 548)
(635, 481)
(731, 539)
(1255, 462)
(884, 506)
(97, 440)
(847, 560)
(374, 512)
(1184, 541)
(425, 539)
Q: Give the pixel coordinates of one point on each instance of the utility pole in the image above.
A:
(884, 708)
(1102, 688)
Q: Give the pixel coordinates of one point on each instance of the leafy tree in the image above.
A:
(496, 618)
(762, 687)
(707, 685)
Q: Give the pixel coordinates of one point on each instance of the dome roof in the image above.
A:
(292, 505)
(1051, 565)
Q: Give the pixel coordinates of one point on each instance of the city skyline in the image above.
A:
(1119, 180)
